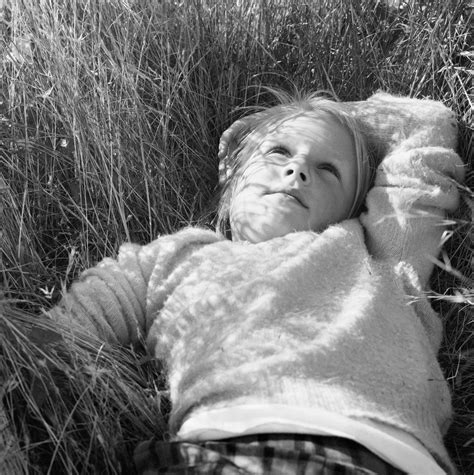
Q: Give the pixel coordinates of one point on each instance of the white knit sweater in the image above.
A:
(336, 320)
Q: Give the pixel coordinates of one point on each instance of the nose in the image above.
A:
(297, 171)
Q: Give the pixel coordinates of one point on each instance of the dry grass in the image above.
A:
(110, 115)
(77, 406)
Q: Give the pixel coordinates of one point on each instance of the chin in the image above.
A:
(261, 227)
(265, 232)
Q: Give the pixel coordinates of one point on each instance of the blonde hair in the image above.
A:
(240, 140)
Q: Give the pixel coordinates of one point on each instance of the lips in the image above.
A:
(296, 195)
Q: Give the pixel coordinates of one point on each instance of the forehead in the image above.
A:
(310, 125)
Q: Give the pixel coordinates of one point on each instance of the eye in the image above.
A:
(279, 150)
(330, 168)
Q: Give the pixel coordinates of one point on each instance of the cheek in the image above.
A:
(244, 204)
(254, 182)
(239, 205)
(244, 213)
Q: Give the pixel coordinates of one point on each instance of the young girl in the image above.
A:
(305, 342)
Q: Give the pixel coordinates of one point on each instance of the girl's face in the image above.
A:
(301, 176)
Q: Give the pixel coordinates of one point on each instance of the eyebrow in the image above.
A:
(272, 140)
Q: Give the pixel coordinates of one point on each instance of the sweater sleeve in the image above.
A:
(117, 299)
(416, 181)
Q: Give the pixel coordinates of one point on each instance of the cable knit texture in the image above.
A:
(335, 320)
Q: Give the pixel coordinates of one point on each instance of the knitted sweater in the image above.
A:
(336, 320)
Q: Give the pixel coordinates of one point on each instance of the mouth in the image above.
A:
(294, 194)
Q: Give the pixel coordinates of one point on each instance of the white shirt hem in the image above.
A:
(393, 445)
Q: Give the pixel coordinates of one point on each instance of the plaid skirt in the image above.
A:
(276, 454)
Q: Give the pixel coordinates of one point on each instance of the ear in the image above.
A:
(231, 139)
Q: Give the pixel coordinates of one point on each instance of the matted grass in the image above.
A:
(110, 116)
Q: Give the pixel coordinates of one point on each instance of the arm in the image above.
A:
(117, 299)
(415, 183)
(407, 206)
